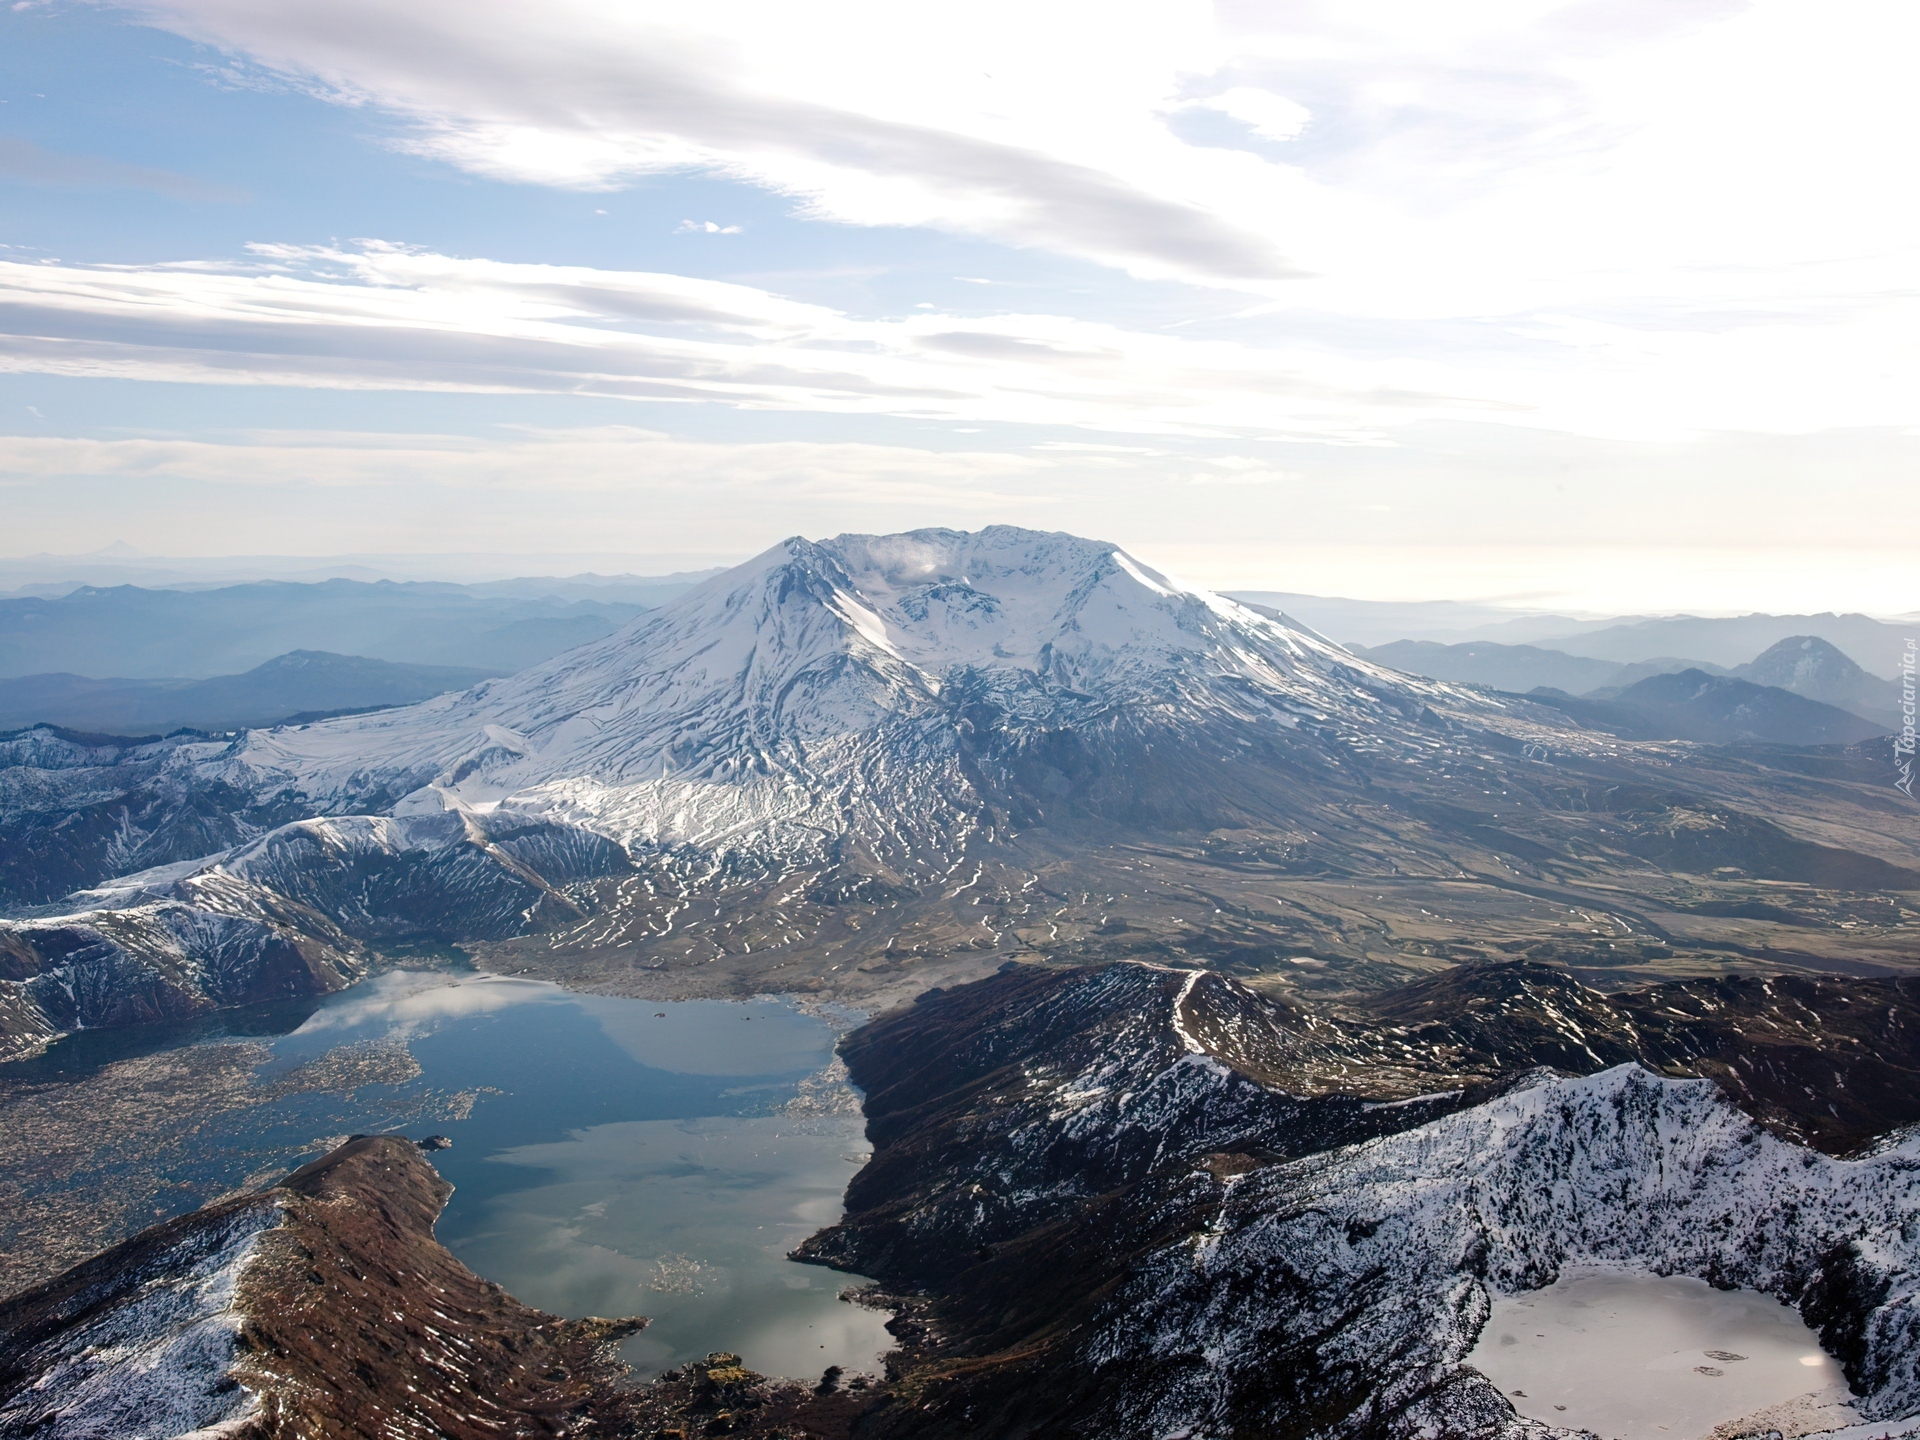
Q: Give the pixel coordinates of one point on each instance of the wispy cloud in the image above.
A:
(1639, 221)
(382, 316)
(1012, 122)
(1477, 158)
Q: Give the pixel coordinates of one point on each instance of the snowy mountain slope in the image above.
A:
(1826, 1061)
(1120, 1230)
(284, 914)
(206, 942)
(378, 875)
(148, 1347)
(881, 690)
(76, 810)
(851, 695)
(814, 687)
(1404, 1238)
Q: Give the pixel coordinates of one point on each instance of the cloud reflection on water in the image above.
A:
(689, 1222)
(405, 1001)
(747, 1038)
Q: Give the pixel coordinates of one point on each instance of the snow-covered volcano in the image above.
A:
(850, 756)
(862, 713)
(833, 687)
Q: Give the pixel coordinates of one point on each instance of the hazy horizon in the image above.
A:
(1341, 578)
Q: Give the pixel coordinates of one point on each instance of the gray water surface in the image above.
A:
(618, 1157)
(1644, 1357)
(610, 1157)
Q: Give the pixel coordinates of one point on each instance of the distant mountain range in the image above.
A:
(1514, 668)
(606, 573)
(155, 634)
(1714, 709)
(1810, 675)
(1376, 622)
(1712, 643)
(299, 686)
(1874, 644)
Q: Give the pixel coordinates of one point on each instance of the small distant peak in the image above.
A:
(1802, 654)
(1816, 643)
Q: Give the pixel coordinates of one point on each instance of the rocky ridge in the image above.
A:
(320, 1306)
(1142, 1202)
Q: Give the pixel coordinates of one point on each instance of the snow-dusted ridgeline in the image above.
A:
(143, 1350)
(319, 1306)
(1379, 1258)
(1190, 1250)
(207, 942)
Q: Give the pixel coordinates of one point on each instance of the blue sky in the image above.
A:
(1608, 306)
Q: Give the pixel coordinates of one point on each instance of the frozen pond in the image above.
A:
(1644, 1357)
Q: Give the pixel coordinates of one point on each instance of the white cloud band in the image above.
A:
(389, 318)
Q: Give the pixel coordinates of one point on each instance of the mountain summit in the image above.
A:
(847, 686)
(1819, 670)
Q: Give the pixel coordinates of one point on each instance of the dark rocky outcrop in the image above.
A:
(1829, 1061)
(1127, 1201)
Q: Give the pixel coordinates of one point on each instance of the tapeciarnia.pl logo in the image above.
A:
(1903, 742)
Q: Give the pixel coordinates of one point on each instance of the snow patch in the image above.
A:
(1194, 1047)
(156, 1363)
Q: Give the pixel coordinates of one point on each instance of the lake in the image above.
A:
(1637, 1356)
(610, 1156)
